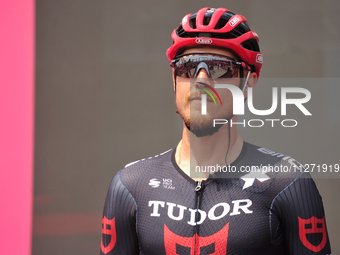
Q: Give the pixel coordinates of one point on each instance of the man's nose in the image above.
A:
(202, 74)
(203, 79)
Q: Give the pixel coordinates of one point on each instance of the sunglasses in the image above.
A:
(216, 65)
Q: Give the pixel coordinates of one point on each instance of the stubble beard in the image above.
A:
(199, 125)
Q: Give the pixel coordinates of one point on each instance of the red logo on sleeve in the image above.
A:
(108, 229)
(312, 229)
(219, 239)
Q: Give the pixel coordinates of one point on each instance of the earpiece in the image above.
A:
(245, 87)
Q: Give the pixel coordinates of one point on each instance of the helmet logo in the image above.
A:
(259, 58)
(234, 21)
(203, 41)
(254, 34)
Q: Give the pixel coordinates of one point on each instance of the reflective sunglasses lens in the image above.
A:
(221, 70)
(186, 70)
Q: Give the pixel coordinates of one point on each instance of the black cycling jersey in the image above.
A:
(153, 207)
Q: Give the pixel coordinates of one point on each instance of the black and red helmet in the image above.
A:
(219, 28)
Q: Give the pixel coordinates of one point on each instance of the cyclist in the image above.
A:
(197, 198)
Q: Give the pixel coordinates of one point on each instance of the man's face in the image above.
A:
(188, 96)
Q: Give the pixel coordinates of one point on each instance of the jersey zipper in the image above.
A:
(198, 190)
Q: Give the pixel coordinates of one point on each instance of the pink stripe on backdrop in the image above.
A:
(17, 42)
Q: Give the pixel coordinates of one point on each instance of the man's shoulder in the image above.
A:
(262, 152)
(157, 159)
(263, 157)
(145, 168)
(260, 162)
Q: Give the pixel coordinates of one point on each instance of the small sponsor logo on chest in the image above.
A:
(166, 183)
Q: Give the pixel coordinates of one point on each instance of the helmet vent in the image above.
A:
(251, 44)
(206, 20)
(192, 21)
(224, 20)
(221, 23)
(180, 31)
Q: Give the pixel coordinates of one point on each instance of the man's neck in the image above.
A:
(195, 154)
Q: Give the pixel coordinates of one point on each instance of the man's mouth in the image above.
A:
(199, 98)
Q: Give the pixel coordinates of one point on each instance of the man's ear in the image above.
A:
(251, 83)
